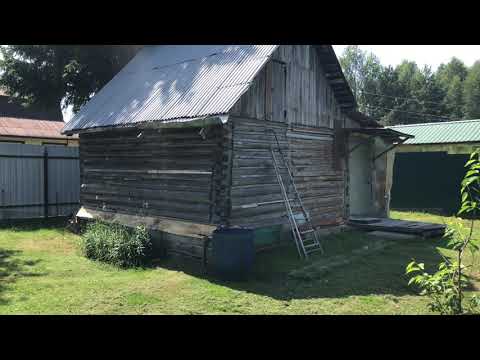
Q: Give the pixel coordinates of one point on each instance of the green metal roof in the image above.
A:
(464, 131)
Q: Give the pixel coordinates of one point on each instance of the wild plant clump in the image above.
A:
(116, 244)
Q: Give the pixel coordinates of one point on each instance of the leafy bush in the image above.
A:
(116, 244)
(444, 288)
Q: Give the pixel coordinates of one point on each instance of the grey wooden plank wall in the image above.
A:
(292, 88)
(255, 194)
(254, 182)
(290, 92)
(22, 181)
(152, 172)
(318, 180)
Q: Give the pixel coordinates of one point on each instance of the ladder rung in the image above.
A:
(306, 226)
(295, 209)
(307, 231)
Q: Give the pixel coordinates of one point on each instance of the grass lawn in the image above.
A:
(43, 272)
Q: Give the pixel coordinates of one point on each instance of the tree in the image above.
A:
(412, 84)
(430, 96)
(352, 62)
(52, 77)
(446, 72)
(362, 71)
(451, 79)
(368, 96)
(409, 94)
(415, 95)
(388, 88)
(454, 99)
(472, 92)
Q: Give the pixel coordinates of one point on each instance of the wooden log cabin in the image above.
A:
(180, 140)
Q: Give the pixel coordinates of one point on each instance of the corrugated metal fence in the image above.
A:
(38, 181)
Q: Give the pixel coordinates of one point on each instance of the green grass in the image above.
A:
(43, 272)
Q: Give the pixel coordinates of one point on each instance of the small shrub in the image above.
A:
(116, 244)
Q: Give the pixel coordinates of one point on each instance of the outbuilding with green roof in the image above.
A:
(429, 167)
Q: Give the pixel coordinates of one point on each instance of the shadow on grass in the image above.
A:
(379, 272)
(12, 268)
(34, 224)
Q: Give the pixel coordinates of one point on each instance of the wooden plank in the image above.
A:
(399, 226)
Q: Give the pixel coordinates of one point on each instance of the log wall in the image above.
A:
(168, 172)
(319, 177)
(292, 97)
(256, 197)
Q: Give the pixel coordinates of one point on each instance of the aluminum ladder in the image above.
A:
(304, 234)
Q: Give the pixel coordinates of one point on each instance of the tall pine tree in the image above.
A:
(451, 79)
(472, 92)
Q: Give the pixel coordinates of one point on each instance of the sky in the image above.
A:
(432, 55)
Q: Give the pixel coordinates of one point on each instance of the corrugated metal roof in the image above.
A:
(442, 132)
(166, 83)
(31, 128)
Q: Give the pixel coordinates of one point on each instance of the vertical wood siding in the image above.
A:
(293, 81)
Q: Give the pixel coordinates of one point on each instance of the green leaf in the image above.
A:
(411, 267)
(472, 173)
(470, 162)
(469, 180)
(465, 209)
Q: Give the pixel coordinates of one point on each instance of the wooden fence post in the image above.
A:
(45, 183)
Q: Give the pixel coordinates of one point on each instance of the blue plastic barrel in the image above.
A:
(233, 253)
